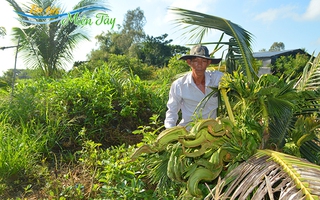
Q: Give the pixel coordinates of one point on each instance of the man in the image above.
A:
(186, 92)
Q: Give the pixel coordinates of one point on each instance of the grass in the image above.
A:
(29, 170)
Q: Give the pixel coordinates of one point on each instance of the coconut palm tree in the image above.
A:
(45, 42)
(265, 146)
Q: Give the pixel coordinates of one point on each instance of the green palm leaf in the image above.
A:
(270, 175)
(199, 24)
(310, 79)
(308, 87)
(310, 150)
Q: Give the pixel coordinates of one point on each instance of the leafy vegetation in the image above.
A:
(74, 127)
(289, 66)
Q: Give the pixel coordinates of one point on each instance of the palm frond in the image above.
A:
(17, 8)
(28, 48)
(198, 25)
(310, 150)
(271, 175)
(310, 79)
(279, 107)
(278, 129)
(158, 164)
(308, 105)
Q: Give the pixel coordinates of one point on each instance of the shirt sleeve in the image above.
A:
(173, 105)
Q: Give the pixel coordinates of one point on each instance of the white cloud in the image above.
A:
(313, 10)
(276, 13)
(289, 11)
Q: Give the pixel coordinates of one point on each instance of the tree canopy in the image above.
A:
(277, 46)
(132, 41)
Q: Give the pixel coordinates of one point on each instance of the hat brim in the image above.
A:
(213, 60)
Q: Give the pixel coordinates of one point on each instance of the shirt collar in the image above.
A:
(189, 79)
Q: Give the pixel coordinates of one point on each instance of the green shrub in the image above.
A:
(109, 103)
(116, 62)
(128, 64)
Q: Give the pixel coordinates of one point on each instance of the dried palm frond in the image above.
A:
(271, 175)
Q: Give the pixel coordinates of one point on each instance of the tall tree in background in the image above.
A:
(277, 46)
(132, 32)
(125, 41)
(133, 24)
(49, 46)
(157, 51)
(131, 40)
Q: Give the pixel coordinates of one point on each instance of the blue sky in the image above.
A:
(293, 22)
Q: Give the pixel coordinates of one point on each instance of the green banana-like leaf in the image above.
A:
(271, 175)
(199, 24)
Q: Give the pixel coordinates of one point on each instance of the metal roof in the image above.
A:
(269, 54)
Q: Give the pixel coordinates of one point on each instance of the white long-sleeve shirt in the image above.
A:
(184, 95)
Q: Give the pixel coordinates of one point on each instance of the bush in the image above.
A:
(109, 103)
(52, 122)
(174, 69)
(116, 62)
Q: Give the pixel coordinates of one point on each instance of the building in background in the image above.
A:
(269, 58)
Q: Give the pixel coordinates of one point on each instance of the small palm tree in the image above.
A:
(47, 44)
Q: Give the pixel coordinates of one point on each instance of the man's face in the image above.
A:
(198, 64)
